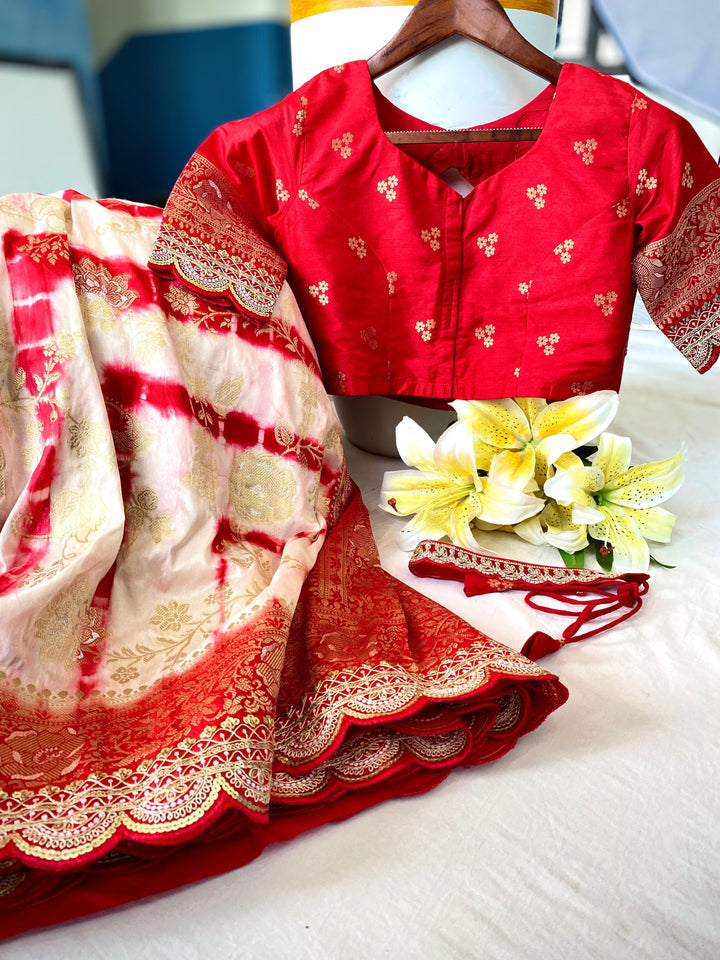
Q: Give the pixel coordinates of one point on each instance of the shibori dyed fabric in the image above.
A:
(524, 287)
(199, 652)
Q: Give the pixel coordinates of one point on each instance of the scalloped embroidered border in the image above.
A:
(180, 787)
(311, 728)
(208, 240)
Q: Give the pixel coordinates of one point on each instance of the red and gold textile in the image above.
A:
(524, 287)
(199, 652)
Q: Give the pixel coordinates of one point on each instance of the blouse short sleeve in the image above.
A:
(675, 191)
(216, 235)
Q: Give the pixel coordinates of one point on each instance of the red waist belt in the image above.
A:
(596, 593)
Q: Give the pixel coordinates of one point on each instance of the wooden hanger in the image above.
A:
(483, 21)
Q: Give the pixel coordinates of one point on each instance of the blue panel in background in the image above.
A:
(55, 32)
(164, 93)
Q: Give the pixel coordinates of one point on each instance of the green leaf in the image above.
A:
(603, 554)
(665, 566)
(576, 561)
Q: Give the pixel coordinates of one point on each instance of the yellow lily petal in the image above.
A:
(567, 460)
(561, 531)
(613, 456)
(584, 418)
(514, 468)
(460, 520)
(531, 531)
(548, 452)
(505, 505)
(407, 491)
(572, 488)
(568, 540)
(630, 551)
(647, 484)
(654, 523)
(421, 527)
(483, 454)
(553, 526)
(414, 445)
(499, 423)
(444, 499)
(454, 455)
(531, 406)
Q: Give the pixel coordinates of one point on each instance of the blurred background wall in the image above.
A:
(112, 96)
(170, 71)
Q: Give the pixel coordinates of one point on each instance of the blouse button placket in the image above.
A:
(455, 214)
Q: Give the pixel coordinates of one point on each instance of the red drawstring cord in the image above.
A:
(598, 594)
(630, 589)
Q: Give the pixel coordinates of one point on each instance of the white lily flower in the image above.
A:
(548, 430)
(618, 502)
(554, 526)
(446, 493)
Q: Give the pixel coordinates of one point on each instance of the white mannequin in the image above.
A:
(456, 83)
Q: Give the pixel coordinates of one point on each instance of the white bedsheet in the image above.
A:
(596, 837)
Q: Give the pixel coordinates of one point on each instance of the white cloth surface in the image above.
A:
(596, 837)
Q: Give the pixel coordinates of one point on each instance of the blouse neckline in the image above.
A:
(554, 110)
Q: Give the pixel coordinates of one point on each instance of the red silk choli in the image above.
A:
(525, 287)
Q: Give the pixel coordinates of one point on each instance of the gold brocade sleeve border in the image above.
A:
(678, 278)
(209, 242)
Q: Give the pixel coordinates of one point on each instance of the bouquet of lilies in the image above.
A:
(545, 471)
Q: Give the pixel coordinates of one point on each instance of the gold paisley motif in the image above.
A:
(261, 489)
(57, 627)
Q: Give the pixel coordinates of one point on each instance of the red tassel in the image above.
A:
(540, 645)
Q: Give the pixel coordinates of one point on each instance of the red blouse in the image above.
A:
(524, 287)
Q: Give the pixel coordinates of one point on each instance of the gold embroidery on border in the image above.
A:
(310, 728)
(446, 553)
(180, 786)
(169, 793)
(367, 755)
(208, 238)
(679, 278)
